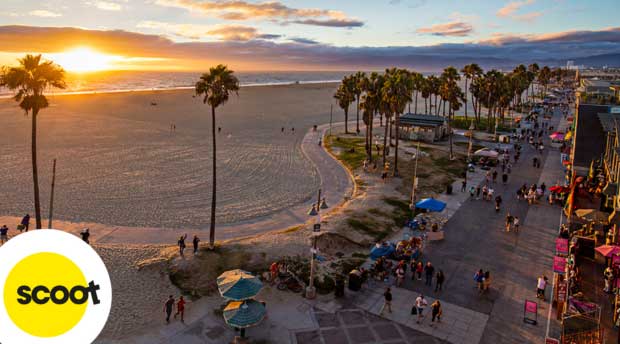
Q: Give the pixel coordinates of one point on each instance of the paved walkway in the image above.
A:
(336, 182)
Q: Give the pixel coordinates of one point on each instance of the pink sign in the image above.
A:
(561, 246)
(559, 264)
(531, 307)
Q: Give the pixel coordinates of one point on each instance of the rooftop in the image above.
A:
(422, 120)
(609, 121)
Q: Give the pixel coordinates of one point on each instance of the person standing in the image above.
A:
(387, 301)
(180, 308)
(429, 270)
(85, 235)
(195, 241)
(4, 236)
(472, 192)
(509, 221)
(400, 275)
(25, 223)
(463, 186)
(420, 304)
(515, 224)
(439, 280)
(419, 268)
(479, 278)
(436, 311)
(478, 192)
(504, 178)
(168, 305)
(498, 203)
(541, 285)
(494, 176)
(181, 244)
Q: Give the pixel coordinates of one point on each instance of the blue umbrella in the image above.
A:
(243, 314)
(238, 285)
(431, 204)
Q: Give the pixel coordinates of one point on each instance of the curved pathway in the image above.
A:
(336, 183)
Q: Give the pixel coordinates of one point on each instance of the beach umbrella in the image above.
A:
(558, 136)
(592, 215)
(608, 250)
(485, 152)
(238, 285)
(244, 314)
(559, 189)
(431, 204)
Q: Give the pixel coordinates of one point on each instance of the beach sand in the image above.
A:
(119, 163)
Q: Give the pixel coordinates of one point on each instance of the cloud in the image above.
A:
(511, 9)
(453, 29)
(196, 32)
(44, 14)
(301, 40)
(106, 5)
(499, 50)
(271, 10)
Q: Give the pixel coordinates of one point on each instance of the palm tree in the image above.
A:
(544, 77)
(425, 88)
(396, 95)
(30, 80)
(470, 71)
(345, 97)
(357, 80)
(451, 92)
(215, 88)
(370, 104)
(533, 70)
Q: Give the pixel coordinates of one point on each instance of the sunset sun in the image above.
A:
(84, 60)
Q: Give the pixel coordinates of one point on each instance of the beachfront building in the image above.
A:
(425, 128)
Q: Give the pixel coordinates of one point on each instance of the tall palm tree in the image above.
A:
(345, 96)
(370, 104)
(357, 80)
(533, 70)
(396, 94)
(451, 92)
(544, 77)
(215, 88)
(30, 80)
(470, 71)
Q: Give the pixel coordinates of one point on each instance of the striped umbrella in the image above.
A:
(238, 285)
(244, 314)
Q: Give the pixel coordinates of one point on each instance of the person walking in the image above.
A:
(472, 192)
(400, 275)
(509, 221)
(478, 278)
(498, 203)
(478, 192)
(25, 224)
(436, 311)
(429, 270)
(387, 301)
(85, 234)
(4, 234)
(419, 268)
(168, 305)
(515, 224)
(494, 176)
(180, 308)
(195, 242)
(439, 278)
(541, 285)
(504, 178)
(420, 304)
(486, 281)
(181, 244)
(463, 186)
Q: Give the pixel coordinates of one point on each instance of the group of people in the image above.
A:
(169, 307)
(483, 280)
(383, 267)
(23, 225)
(531, 194)
(417, 309)
(181, 244)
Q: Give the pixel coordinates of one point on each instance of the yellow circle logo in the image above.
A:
(46, 294)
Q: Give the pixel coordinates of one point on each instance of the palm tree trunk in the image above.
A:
(391, 128)
(385, 143)
(416, 101)
(396, 123)
(35, 170)
(443, 105)
(357, 116)
(426, 106)
(213, 202)
(465, 99)
(450, 131)
(380, 119)
(346, 120)
(370, 124)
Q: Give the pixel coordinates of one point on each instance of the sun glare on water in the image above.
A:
(84, 60)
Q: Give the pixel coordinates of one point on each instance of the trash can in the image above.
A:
(339, 292)
(355, 281)
(449, 189)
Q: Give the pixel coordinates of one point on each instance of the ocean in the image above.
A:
(123, 81)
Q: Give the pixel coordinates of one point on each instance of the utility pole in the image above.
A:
(49, 223)
(331, 112)
(315, 211)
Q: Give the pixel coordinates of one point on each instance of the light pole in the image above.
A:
(316, 209)
(331, 111)
(471, 137)
(415, 181)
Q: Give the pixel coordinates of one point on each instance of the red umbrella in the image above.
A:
(608, 250)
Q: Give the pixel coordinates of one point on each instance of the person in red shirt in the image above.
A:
(180, 308)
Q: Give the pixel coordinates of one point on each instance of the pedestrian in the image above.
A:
(180, 308)
(436, 311)
(504, 178)
(490, 195)
(282, 129)
(387, 301)
(498, 203)
(168, 305)
(494, 176)
(509, 221)
(472, 192)
(85, 235)
(478, 278)
(519, 194)
(273, 271)
(4, 236)
(541, 285)
(535, 162)
(515, 224)
(25, 224)
(485, 192)
(420, 304)
(463, 186)
(540, 148)
(478, 192)
(543, 187)
(400, 275)
(509, 168)
(419, 268)
(195, 241)
(219, 130)
(439, 280)
(429, 270)
(486, 281)
(181, 244)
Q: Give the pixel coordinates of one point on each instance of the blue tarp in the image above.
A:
(431, 204)
(381, 251)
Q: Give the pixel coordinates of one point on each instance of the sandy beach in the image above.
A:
(120, 164)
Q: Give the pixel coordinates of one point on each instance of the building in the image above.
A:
(425, 128)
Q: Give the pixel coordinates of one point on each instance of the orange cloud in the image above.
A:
(510, 10)
(454, 29)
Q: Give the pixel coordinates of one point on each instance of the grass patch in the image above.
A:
(474, 146)
(351, 151)
(402, 212)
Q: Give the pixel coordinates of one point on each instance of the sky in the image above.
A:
(305, 34)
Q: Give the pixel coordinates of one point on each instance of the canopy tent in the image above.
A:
(431, 204)
(238, 285)
(486, 152)
(608, 250)
(557, 136)
(592, 215)
(559, 189)
(244, 314)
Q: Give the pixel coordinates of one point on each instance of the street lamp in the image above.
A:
(316, 209)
